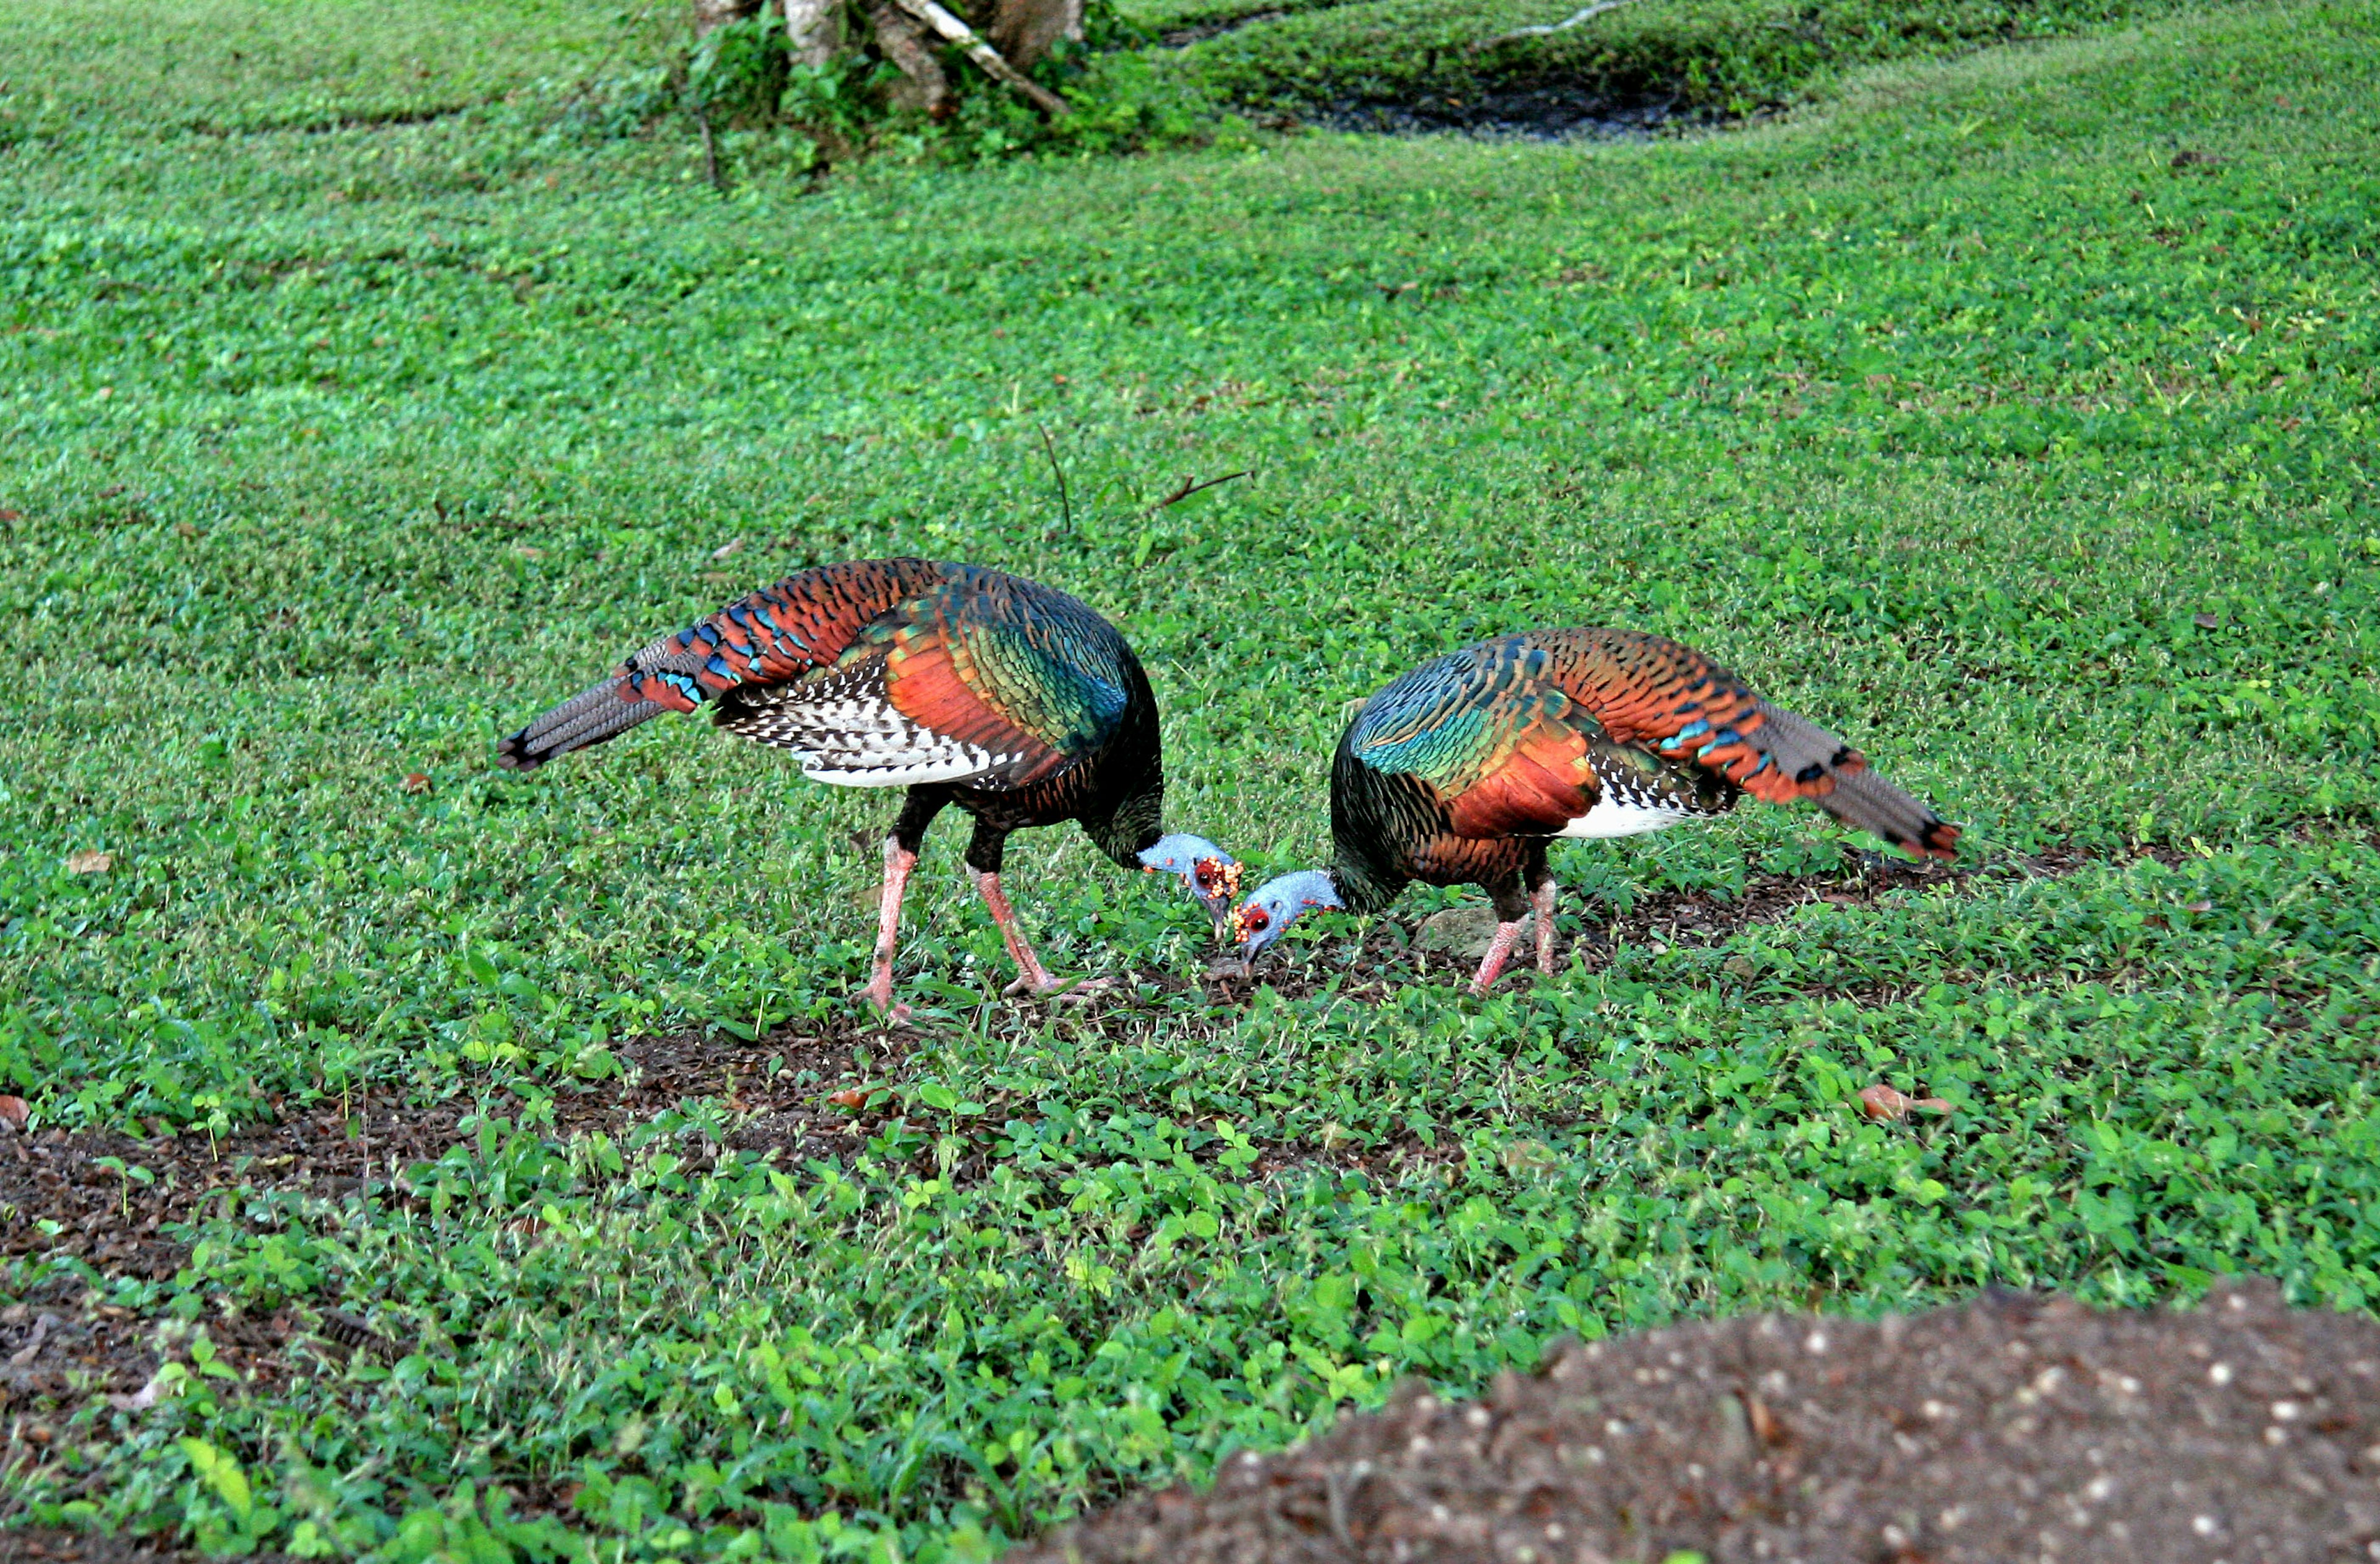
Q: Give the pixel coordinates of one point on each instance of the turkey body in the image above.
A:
(966, 686)
(1467, 769)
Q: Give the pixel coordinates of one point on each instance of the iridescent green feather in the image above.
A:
(1055, 691)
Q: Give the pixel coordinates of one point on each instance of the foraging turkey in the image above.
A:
(970, 687)
(1463, 770)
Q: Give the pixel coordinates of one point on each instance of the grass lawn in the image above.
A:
(2012, 416)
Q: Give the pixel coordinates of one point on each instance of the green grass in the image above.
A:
(206, 65)
(1706, 57)
(1961, 416)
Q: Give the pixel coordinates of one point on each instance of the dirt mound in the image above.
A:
(2012, 1428)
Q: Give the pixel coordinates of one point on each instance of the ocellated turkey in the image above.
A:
(1466, 768)
(966, 686)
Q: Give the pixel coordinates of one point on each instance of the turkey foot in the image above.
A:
(1492, 963)
(1032, 977)
(898, 862)
(1047, 987)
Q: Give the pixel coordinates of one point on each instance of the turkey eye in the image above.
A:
(1257, 920)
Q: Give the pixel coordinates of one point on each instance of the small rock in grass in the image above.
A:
(1467, 931)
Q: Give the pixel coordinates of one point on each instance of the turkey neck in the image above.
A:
(1363, 885)
(1126, 813)
(1133, 827)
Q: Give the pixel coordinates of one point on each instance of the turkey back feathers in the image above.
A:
(879, 673)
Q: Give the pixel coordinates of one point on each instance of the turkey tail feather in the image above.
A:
(1803, 761)
(593, 715)
(1868, 801)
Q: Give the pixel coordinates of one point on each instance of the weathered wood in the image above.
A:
(711, 14)
(813, 31)
(984, 55)
(1026, 31)
(904, 44)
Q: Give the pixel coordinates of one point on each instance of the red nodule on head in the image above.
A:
(1249, 921)
(1217, 878)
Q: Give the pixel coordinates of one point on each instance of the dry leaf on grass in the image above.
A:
(15, 1111)
(853, 1099)
(145, 1397)
(90, 863)
(1881, 1101)
(416, 782)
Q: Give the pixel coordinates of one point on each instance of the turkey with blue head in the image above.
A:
(1467, 769)
(967, 687)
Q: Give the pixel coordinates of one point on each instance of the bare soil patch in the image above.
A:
(114, 1218)
(2015, 1427)
(1693, 919)
(76, 1547)
(62, 1193)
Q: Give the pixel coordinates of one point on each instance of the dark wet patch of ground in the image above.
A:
(1542, 112)
(2013, 1428)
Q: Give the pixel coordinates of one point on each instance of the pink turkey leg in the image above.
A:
(1493, 962)
(1543, 899)
(898, 862)
(1031, 975)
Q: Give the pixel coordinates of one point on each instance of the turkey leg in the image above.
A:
(1498, 949)
(1542, 901)
(898, 862)
(901, 847)
(1031, 975)
(983, 860)
(1509, 906)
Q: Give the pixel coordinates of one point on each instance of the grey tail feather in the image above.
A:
(1795, 743)
(1868, 801)
(591, 716)
(1859, 798)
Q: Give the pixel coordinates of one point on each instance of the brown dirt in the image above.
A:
(1685, 919)
(2012, 1428)
(113, 1220)
(75, 1547)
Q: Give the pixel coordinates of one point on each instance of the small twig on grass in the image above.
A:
(1574, 19)
(1189, 488)
(984, 55)
(1065, 501)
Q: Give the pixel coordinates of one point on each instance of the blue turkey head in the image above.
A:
(1258, 921)
(1209, 874)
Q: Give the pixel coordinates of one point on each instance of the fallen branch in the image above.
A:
(1189, 488)
(1587, 15)
(984, 55)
